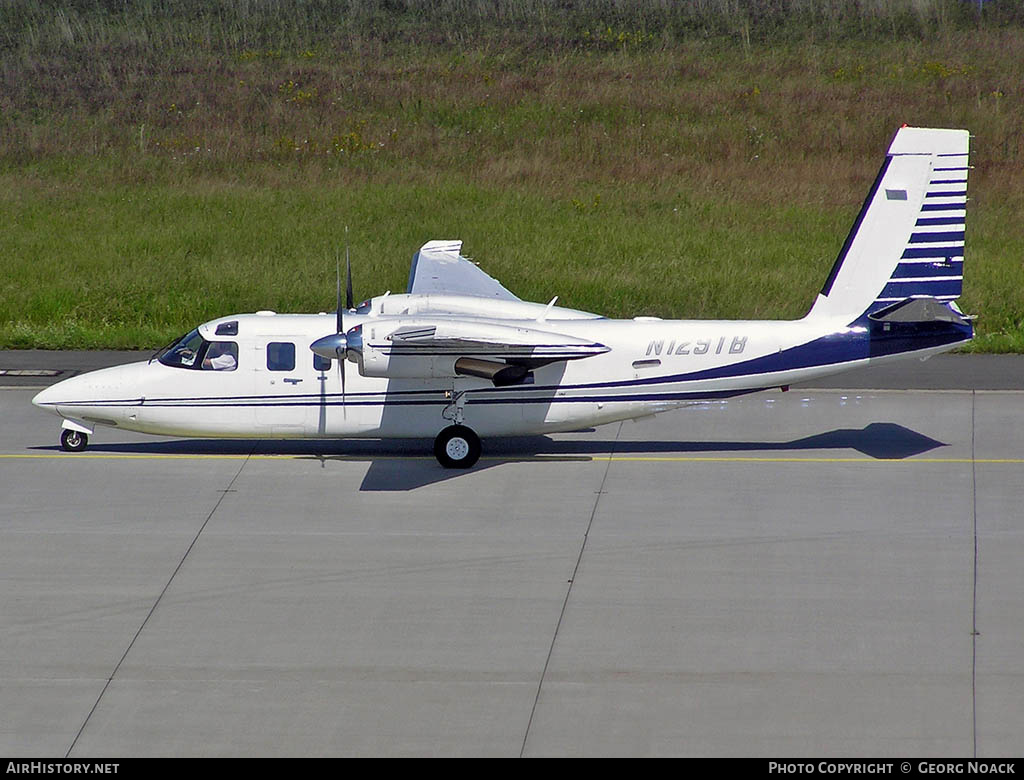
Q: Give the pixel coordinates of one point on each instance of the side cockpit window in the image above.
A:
(221, 356)
(193, 351)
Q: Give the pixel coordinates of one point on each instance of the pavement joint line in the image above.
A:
(568, 592)
(159, 598)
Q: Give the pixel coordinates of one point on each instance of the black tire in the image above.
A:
(457, 447)
(73, 441)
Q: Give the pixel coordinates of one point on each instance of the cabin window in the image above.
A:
(281, 356)
(228, 328)
(221, 356)
(321, 363)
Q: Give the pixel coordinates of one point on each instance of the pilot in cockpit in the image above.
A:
(220, 356)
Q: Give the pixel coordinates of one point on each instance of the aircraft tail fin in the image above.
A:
(908, 240)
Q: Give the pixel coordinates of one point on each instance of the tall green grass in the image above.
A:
(131, 266)
(128, 266)
(166, 162)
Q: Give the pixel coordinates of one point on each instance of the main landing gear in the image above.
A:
(457, 447)
(73, 441)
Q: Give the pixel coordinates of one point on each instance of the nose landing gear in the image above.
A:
(73, 441)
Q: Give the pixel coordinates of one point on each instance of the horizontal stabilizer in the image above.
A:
(918, 310)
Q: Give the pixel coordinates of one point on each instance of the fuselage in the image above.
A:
(279, 389)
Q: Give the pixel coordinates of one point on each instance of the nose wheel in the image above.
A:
(73, 441)
(457, 447)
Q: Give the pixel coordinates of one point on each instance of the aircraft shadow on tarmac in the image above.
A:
(399, 465)
(884, 441)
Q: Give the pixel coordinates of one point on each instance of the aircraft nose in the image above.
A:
(48, 396)
(58, 393)
(96, 388)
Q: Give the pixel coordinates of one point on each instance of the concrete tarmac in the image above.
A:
(814, 573)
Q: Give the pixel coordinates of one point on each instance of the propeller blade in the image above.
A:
(349, 300)
(339, 328)
(341, 375)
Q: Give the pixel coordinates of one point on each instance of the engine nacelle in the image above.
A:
(373, 348)
(381, 362)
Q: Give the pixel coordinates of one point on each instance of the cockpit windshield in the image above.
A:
(193, 351)
(184, 352)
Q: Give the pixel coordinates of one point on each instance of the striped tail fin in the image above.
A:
(908, 240)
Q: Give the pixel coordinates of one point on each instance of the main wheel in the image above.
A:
(457, 447)
(73, 441)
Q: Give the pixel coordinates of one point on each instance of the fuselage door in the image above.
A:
(285, 394)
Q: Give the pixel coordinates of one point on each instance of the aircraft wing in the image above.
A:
(524, 345)
(440, 268)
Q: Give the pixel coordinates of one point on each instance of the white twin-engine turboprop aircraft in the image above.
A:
(458, 357)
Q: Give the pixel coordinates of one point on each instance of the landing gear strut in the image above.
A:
(73, 441)
(457, 447)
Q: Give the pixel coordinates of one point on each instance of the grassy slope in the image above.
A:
(150, 183)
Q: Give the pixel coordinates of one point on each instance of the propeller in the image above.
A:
(335, 346)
